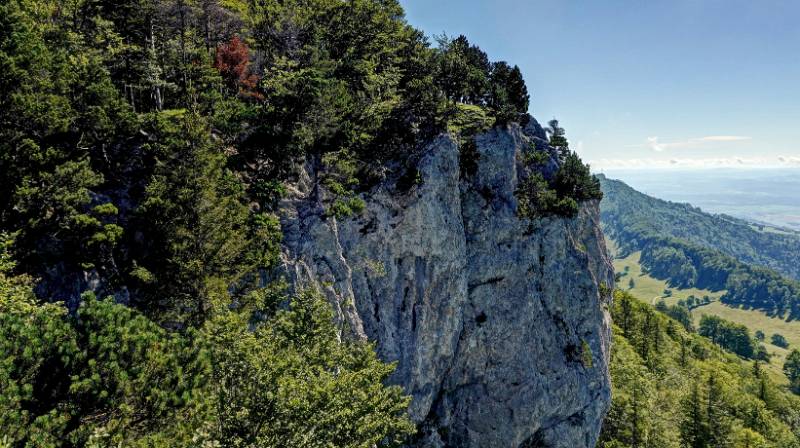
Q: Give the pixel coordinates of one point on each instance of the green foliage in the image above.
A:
(704, 251)
(508, 94)
(292, 383)
(109, 376)
(197, 224)
(729, 335)
(469, 119)
(791, 367)
(558, 138)
(466, 76)
(537, 199)
(586, 355)
(463, 70)
(107, 369)
(779, 340)
(572, 184)
(672, 388)
(679, 312)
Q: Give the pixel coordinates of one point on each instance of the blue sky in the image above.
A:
(678, 83)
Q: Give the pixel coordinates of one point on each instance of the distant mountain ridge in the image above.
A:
(627, 211)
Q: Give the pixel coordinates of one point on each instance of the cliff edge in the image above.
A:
(499, 325)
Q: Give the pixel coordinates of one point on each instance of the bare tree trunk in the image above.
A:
(182, 12)
(156, 86)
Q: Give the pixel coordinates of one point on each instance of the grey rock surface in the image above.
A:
(498, 324)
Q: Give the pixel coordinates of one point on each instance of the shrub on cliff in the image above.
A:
(572, 184)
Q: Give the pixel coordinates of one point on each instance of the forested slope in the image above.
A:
(629, 213)
(690, 248)
(674, 388)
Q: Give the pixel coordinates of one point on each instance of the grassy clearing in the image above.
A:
(756, 320)
(652, 290)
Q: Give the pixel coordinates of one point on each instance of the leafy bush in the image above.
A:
(110, 377)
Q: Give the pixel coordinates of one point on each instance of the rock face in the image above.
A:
(498, 324)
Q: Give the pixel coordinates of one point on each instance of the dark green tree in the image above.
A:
(791, 368)
(508, 94)
(694, 426)
(779, 340)
(196, 222)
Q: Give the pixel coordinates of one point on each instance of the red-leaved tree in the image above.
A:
(233, 63)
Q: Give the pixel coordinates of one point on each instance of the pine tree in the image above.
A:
(558, 138)
(694, 427)
(716, 416)
(196, 222)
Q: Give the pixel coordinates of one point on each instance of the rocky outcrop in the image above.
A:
(498, 324)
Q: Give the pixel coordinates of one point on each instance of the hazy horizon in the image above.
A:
(766, 195)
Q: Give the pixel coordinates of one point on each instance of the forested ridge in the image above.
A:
(144, 147)
(690, 248)
(631, 212)
(674, 388)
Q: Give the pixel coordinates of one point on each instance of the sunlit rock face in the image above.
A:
(498, 324)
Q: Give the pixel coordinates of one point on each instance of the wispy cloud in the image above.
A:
(790, 160)
(657, 145)
(714, 162)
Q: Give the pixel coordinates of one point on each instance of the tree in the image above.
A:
(694, 426)
(779, 340)
(759, 335)
(197, 225)
(233, 62)
(729, 335)
(291, 382)
(761, 353)
(791, 368)
(463, 70)
(558, 139)
(719, 426)
(111, 377)
(508, 95)
(682, 315)
(107, 370)
(575, 180)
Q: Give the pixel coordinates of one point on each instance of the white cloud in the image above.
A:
(725, 138)
(790, 160)
(656, 145)
(698, 163)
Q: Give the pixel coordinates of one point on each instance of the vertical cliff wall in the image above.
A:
(498, 325)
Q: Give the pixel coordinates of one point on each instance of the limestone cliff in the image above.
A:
(498, 325)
